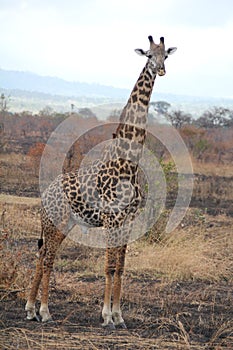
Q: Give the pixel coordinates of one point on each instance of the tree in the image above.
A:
(216, 117)
(178, 119)
(46, 111)
(191, 136)
(35, 152)
(201, 147)
(160, 107)
(4, 102)
(86, 112)
(114, 116)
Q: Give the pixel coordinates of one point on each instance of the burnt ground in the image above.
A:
(159, 315)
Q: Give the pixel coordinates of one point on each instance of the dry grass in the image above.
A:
(190, 253)
(19, 226)
(20, 216)
(212, 169)
(176, 291)
(15, 200)
(19, 338)
(202, 249)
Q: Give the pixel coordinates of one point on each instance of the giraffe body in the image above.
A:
(104, 194)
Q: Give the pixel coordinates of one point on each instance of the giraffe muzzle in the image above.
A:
(161, 72)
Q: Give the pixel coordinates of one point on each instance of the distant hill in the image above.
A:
(33, 92)
(27, 81)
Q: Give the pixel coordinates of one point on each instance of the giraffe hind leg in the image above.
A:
(43, 270)
(30, 305)
(52, 245)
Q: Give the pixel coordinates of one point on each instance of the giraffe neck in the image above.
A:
(131, 132)
(133, 119)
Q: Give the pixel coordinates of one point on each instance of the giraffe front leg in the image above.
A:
(107, 312)
(116, 310)
(109, 272)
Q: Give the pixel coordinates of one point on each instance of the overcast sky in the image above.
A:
(94, 41)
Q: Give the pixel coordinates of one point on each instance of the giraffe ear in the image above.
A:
(140, 52)
(171, 50)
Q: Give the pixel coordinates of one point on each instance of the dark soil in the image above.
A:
(159, 315)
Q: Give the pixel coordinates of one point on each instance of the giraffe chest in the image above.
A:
(117, 185)
(111, 186)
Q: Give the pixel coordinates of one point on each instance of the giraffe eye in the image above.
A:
(165, 57)
(149, 56)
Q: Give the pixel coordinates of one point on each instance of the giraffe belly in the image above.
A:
(87, 219)
(83, 223)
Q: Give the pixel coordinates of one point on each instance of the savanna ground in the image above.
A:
(177, 290)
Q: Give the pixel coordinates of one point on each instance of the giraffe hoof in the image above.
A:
(34, 318)
(48, 320)
(121, 325)
(110, 326)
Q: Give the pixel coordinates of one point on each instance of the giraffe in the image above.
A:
(104, 194)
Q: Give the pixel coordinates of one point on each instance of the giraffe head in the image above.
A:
(157, 54)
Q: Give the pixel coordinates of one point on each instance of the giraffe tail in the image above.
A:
(40, 243)
(40, 240)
